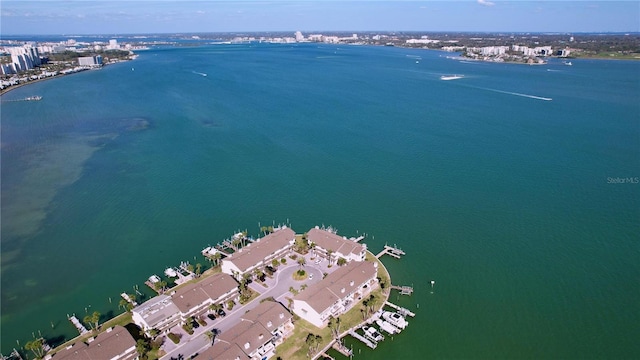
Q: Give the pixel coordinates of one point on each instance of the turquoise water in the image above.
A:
(501, 198)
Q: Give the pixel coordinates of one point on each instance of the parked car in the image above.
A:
(211, 316)
(221, 313)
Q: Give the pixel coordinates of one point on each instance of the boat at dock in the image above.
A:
(170, 272)
(372, 334)
(128, 299)
(154, 279)
(395, 319)
(387, 327)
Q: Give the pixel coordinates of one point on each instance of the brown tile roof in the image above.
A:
(349, 277)
(261, 249)
(76, 352)
(194, 294)
(106, 345)
(222, 350)
(330, 241)
(248, 335)
(109, 344)
(270, 314)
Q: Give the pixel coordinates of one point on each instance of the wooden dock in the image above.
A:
(392, 251)
(366, 341)
(404, 290)
(223, 250)
(74, 320)
(401, 310)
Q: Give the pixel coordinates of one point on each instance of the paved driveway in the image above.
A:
(278, 288)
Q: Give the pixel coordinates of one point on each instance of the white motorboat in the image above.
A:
(170, 272)
(395, 319)
(387, 327)
(372, 334)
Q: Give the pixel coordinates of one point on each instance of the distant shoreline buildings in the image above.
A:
(29, 57)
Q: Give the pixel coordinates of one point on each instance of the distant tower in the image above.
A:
(299, 36)
(113, 44)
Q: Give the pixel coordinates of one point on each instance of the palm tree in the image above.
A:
(341, 261)
(37, 346)
(142, 347)
(312, 246)
(334, 325)
(217, 256)
(312, 342)
(92, 320)
(330, 255)
(198, 269)
(211, 335)
(95, 318)
(235, 242)
(372, 302)
(123, 304)
(160, 286)
(215, 307)
(301, 261)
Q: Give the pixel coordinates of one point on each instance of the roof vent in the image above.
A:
(281, 315)
(342, 290)
(260, 336)
(246, 346)
(269, 324)
(351, 283)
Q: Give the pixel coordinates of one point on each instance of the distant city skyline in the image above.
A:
(48, 17)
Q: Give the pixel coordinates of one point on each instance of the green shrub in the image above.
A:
(174, 337)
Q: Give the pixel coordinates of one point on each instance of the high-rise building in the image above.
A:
(24, 57)
(299, 36)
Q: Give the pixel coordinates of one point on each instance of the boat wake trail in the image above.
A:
(516, 94)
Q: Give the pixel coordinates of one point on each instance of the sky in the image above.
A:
(45, 17)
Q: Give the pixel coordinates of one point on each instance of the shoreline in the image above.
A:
(12, 87)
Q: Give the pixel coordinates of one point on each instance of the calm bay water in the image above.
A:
(503, 198)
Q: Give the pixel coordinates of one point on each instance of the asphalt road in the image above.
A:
(278, 288)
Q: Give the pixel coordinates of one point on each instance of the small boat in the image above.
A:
(373, 334)
(154, 279)
(170, 272)
(128, 299)
(387, 327)
(451, 77)
(33, 98)
(395, 319)
(568, 63)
